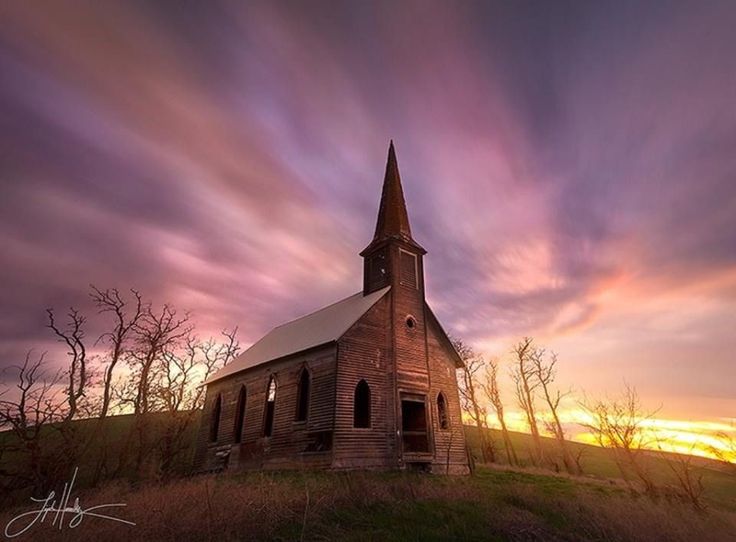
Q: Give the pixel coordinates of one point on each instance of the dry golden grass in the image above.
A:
(492, 505)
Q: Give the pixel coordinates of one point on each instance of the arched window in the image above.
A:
(442, 416)
(270, 407)
(240, 415)
(215, 419)
(362, 405)
(302, 395)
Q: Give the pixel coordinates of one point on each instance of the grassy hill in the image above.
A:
(496, 503)
(98, 441)
(598, 463)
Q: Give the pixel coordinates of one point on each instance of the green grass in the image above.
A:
(493, 504)
(598, 463)
(96, 442)
(496, 503)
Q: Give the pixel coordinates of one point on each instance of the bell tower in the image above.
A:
(393, 258)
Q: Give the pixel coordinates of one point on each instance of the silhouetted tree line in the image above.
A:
(533, 373)
(620, 424)
(149, 362)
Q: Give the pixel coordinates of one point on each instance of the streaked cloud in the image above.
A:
(570, 168)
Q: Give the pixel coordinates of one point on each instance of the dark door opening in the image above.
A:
(414, 425)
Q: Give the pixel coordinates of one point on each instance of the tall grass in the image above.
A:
(492, 505)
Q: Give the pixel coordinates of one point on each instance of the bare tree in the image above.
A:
(27, 417)
(470, 396)
(726, 450)
(169, 366)
(215, 355)
(689, 485)
(522, 373)
(166, 367)
(178, 390)
(492, 391)
(73, 336)
(111, 302)
(545, 371)
(620, 425)
(156, 333)
(80, 376)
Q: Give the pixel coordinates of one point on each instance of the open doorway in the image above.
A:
(414, 433)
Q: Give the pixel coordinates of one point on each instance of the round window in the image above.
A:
(411, 322)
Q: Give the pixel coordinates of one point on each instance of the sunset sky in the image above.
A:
(570, 168)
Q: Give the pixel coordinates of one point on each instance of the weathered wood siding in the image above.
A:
(292, 443)
(409, 342)
(364, 353)
(449, 444)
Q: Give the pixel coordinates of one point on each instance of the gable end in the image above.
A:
(444, 338)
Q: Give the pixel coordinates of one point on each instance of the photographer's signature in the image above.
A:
(50, 509)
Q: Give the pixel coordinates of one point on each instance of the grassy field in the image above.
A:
(598, 463)
(493, 504)
(98, 441)
(496, 503)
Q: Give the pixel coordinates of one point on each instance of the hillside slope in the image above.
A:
(497, 503)
(494, 504)
(719, 481)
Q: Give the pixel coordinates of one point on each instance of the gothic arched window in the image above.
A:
(215, 419)
(302, 395)
(362, 405)
(442, 417)
(270, 407)
(240, 415)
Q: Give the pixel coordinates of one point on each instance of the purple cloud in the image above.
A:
(569, 167)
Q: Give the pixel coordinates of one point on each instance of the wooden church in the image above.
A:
(365, 383)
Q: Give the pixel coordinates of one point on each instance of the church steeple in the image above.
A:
(393, 220)
(393, 257)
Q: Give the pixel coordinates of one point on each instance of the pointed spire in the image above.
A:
(393, 220)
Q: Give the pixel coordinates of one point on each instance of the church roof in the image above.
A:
(393, 219)
(320, 327)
